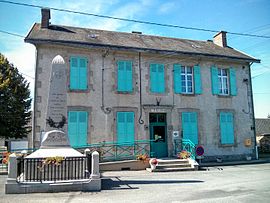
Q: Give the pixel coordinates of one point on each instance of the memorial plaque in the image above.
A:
(57, 98)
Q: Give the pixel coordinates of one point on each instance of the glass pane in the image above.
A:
(183, 89)
(159, 133)
(219, 71)
(161, 118)
(190, 83)
(189, 77)
(152, 118)
(224, 72)
(182, 69)
(189, 70)
(183, 78)
(190, 89)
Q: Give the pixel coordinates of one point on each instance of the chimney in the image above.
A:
(45, 17)
(220, 39)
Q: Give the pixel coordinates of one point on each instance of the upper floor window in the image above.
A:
(124, 74)
(187, 79)
(223, 81)
(78, 73)
(157, 78)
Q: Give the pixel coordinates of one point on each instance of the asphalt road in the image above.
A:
(242, 183)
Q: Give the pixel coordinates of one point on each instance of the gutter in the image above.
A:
(117, 47)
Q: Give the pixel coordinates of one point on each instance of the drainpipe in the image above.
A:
(253, 114)
(141, 121)
(106, 110)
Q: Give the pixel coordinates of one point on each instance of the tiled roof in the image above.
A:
(100, 38)
(262, 126)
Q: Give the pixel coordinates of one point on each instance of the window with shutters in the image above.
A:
(124, 76)
(187, 79)
(226, 127)
(223, 82)
(190, 126)
(157, 78)
(78, 73)
(125, 127)
(77, 128)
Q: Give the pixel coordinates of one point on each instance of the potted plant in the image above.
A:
(183, 154)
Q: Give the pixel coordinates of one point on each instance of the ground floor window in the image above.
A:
(77, 128)
(125, 127)
(190, 126)
(226, 128)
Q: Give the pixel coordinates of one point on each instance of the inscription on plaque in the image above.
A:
(57, 98)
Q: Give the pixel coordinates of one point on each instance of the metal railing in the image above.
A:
(112, 151)
(4, 154)
(37, 170)
(185, 144)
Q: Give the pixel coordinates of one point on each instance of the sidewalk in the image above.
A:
(230, 163)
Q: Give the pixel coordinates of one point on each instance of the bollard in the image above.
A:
(95, 166)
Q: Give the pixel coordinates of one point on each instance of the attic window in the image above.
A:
(195, 46)
(92, 36)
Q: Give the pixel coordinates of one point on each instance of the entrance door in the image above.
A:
(158, 133)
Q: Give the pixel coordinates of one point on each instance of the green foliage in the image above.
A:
(15, 102)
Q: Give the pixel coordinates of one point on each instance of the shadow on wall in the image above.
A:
(117, 184)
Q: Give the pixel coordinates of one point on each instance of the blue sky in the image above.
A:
(245, 16)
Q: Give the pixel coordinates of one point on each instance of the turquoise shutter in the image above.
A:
(233, 86)
(214, 78)
(130, 127)
(121, 127)
(153, 78)
(82, 126)
(74, 74)
(82, 83)
(121, 76)
(226, 128)
(161, 79)
(177, 78)
(197, 79)
(190, 126)
(72, 128)
(129, 80)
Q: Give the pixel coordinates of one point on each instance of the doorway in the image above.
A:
(158, 133)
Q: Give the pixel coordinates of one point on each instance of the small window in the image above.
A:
(223, 81)
(187, 79)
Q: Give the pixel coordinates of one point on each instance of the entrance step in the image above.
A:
(171, 165)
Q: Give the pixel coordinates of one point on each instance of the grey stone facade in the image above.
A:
(102, 125)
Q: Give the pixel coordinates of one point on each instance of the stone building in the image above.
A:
(122, 87)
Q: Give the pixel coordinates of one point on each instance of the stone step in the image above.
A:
(170, 169)
(175, 165)
(172, 161)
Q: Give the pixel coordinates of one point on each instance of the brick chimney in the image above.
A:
(220, 39)
(45, 17)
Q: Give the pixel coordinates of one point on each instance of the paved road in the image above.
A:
(245, 183)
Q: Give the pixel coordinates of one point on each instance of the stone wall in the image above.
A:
(102, 126)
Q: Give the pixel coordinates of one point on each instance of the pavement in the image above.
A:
(238, 183)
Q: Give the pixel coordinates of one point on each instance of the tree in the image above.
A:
(15, 101)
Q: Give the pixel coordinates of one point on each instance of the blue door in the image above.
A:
(158, 135)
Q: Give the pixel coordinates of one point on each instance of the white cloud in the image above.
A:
(166, 7)
(23, 57)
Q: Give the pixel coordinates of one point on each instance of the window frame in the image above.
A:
(186, 74)
(221, 77)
